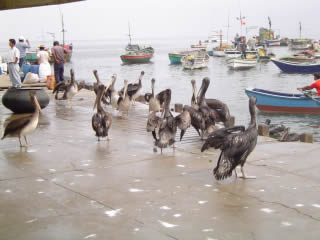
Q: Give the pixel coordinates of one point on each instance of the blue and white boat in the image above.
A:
(293, 67)
(276, 102)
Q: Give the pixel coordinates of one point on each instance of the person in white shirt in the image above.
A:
(43, 61)
(13, 64)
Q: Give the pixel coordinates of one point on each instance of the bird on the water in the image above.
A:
(235, 143)
(101, 120)
(21, 127)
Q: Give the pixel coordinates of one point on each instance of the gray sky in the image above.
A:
(101, 19)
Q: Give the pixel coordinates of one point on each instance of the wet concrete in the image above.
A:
(67, 185)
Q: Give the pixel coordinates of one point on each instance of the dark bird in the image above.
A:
(156, 101)
(203, 118)
(289, 137)
(106, 98)
(235, 144)
(69, 90)
(168, 128)
(101, 120)
(123, 103)
(220, 107)
(134, 89)
(275, 130)
(21, 127)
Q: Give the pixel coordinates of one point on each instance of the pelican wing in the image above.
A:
(16, 125)
(133, 88)
(61, 86)
(197, 120)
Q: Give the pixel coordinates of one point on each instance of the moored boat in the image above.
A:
(143, 55)
(292, 67)
(276, 102)
(197, 60)
(241, 63)
(300, 44)
(272, 42)
(175, 57)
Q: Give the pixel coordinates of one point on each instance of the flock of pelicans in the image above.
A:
(204, 115)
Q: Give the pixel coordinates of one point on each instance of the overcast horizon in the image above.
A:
(102, 20)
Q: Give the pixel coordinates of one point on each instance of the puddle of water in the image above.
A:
(316, 205)
(90, 236)
(113, 213)
(8, 191)
(202, 202)
(32, 220)
(207, 230)
(165, 208)
(52, 170)
(177, 215)
(40, 180)
(299, 205)
(287, 224)
(32, 150)
(135, 190)
(208, 185)
(267, 210)
(180, 166)
(167, 225)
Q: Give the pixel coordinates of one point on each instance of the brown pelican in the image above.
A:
(69, 90)
(101, 121)
(156, 101)
(203, 118)
(289, 137)
(214, 104)
(123, 103)
(275, 130)
(96, 85)
(134, 89)
(235, 144)
(21, 127)
(168, 128)
(183, 122)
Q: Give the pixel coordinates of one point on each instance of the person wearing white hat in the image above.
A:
(22, 46)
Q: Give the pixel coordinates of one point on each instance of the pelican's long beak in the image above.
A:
(37, 103)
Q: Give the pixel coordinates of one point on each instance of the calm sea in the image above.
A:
(225, 85)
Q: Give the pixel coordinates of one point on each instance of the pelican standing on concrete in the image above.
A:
(220, 107)
(96, 85)
(123, 103)
(134, 89)
(70, 90)
(101, 121)
(21, 127)
(235, 143)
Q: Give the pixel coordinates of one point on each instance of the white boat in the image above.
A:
(198, 60)
(232, 53)
(218, 53)
(240, 63)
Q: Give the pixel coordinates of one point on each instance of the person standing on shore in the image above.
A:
(43, 62)
(13, 64)
(22, 47)
(58, 53)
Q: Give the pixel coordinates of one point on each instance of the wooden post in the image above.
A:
(306, 138)
(263, 130)
(178, 107)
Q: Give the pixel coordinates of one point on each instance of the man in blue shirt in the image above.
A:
(22, 46)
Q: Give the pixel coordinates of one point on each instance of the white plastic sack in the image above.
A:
(31, 78)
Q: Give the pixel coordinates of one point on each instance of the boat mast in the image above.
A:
(220, 39)
(269, 19)
(241, 23)
(300, 28)
(228, 27)
(129, 33)
(62, 25)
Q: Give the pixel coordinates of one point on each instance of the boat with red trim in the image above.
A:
(277, 102)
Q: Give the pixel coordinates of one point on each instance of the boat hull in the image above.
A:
(274, 102)
(241, 64)
(129, 59)
(272, 43)
(175, 58)
(290, 67)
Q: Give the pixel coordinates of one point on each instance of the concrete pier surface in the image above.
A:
(67, 185)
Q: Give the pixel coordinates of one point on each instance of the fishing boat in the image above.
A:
(300, 44)
(199, 46)
(143, 55)
(241, 63)
(292, 67)
(297, 58)
(272, 42)
(197, 60)
(276, 102)
(175, 57)
(263, 56)
(135, 53)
